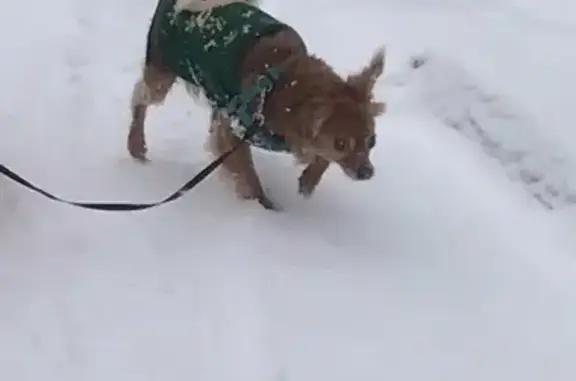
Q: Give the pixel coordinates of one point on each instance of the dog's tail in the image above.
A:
(149, 35)
(148, 55)
(161, 6)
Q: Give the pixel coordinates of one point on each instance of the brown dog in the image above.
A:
(321, 117)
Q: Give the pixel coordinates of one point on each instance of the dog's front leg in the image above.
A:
(240, 164)
(311, 176)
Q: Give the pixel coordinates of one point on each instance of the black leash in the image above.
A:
(124, 207)
(239, 106)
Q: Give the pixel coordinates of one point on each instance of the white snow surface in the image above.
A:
(453, 263)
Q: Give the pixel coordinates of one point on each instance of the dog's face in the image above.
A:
(345, 122)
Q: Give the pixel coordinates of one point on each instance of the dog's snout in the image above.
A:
(365, 172)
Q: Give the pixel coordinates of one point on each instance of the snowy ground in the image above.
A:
(441, 268)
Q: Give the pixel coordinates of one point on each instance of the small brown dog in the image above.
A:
(321, 117)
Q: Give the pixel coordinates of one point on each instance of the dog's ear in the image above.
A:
(365, 80)
(377, 108)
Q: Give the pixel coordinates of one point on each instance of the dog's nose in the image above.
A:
(365, 172)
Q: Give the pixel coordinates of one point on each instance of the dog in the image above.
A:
(317, 116)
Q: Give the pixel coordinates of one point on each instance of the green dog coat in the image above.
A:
(206, 49)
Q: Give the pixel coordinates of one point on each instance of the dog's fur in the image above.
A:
(324, 118)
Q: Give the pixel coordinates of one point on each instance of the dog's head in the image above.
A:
(344, 121)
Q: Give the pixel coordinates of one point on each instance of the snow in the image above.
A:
(448, 265)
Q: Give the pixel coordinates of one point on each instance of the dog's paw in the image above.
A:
(137, 147)
(311, 176)
(268, 204)
(263, 200)
(140, 157)
(305, 189)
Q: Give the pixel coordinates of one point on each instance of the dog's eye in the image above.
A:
(371, 141)
(340, 144)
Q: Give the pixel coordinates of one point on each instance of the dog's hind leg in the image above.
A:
(240, 164)
(151, 89)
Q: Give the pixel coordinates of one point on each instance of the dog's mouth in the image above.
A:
(361, 173)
